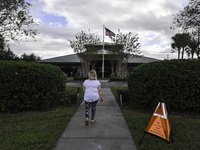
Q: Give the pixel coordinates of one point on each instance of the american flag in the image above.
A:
(109, 33)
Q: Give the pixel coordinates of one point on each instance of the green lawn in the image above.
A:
(187, 135)
(33, 130)
(70, 79)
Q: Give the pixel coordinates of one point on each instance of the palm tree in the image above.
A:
(176, 45)
(180, 41)
(192, 48)
(185, 40)
(198, 53)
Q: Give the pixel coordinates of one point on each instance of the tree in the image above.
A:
(31, 57)
(5, 52)
(2, 42)
(15, 20)
(189, 17)
(7, 55)
(85, 46)
(83, 38)
(198, 53)
(180, 41)
(176, 45)
(192, 48)
(130, 48)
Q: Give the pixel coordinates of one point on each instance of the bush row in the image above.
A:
(26, 85)
(118, 79)
(79, 78)
(177, 81)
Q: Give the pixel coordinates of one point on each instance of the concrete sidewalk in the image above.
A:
(110, 132)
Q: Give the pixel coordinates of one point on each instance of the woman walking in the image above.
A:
(92, 93)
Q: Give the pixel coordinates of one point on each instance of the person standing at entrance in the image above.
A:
(92, 93)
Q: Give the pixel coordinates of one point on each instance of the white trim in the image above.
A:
(164, 116)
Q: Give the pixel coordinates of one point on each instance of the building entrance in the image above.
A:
(107, 69)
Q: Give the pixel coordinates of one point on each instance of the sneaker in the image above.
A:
(93, 121)
(86, 121)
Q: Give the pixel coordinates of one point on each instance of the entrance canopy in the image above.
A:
(95, 49)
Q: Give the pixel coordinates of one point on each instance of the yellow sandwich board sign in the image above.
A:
(159, 123)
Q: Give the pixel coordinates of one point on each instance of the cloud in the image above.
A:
(62, 19)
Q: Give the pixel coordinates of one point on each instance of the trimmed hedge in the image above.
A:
(124, 92)
(177, 81)
(118, 79)
(26, 85)
(79, 78)
(70, 97)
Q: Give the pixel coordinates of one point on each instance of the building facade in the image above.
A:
(72, 64)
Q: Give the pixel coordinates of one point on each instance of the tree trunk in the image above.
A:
(83, 66)
(117, 69)
(179, 52)
(120, 69)
(192, 55)
(87, 67)
(124, 67)
(183, 49)
(112, 63)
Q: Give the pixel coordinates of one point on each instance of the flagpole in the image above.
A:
(103, 55)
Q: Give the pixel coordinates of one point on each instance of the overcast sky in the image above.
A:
(60, 20)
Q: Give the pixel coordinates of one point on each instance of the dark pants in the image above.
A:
(87, 109)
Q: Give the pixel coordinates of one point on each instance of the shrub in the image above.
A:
(177, 81)
(118, 79)
(124, 92)
(70, 97)
(79, 78)
(26, 85)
